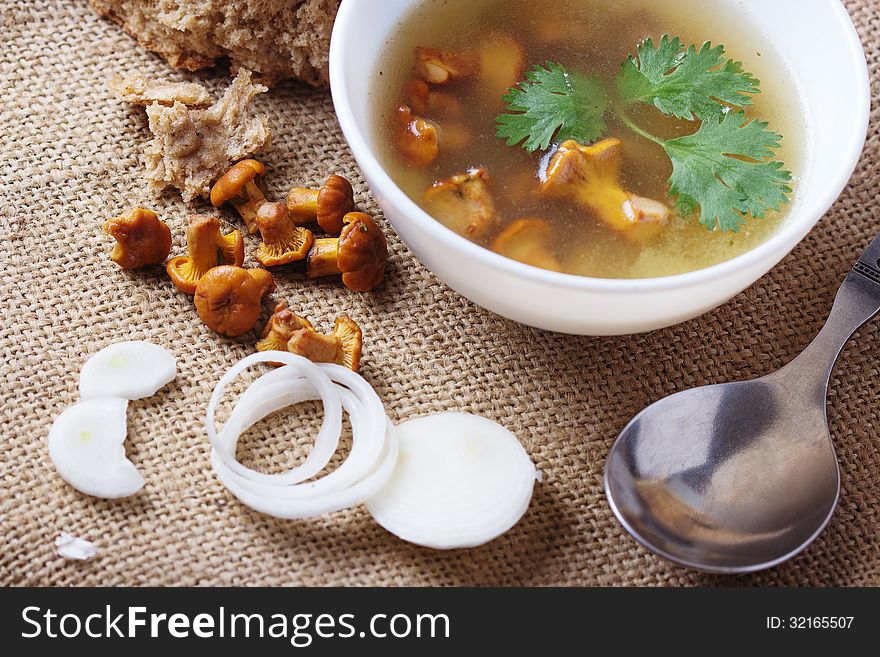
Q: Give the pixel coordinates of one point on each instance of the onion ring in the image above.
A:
(364, 472)
(327, 440)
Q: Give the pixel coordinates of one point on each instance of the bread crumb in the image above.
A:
(192, 147)
(139, 90)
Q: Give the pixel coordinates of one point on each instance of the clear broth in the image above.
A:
(594, 36)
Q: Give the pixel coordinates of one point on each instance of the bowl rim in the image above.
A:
(782, 242)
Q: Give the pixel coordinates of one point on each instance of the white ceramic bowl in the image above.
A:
(822, 47)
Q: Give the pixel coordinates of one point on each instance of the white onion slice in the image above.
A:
(86, 447)
(363, 473)
(284, 387)
(461, 481)
(326, 441)
(330, 501)
(131, 370)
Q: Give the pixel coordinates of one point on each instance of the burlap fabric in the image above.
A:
(70, 159)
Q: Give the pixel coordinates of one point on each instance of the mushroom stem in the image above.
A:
(303, 205)
(322, 260)
(206, 248)
(248, 204)
(344, 347)
(317, 347)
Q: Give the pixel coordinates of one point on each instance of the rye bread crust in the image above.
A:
(275, 39)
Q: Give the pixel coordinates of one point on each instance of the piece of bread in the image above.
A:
(276, 39)
(139, 90)
(192, 147)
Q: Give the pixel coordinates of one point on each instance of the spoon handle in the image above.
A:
(857, 302)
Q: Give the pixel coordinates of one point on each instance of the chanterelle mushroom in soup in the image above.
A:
(463, 203)
(531, 241)
(417, 138)
(590, 175)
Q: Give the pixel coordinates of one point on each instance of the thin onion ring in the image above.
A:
(327, 440)
(365, 471)
(363, 455)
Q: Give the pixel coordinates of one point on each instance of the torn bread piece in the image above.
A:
(276, 39)
(192, 147)
(135, 88)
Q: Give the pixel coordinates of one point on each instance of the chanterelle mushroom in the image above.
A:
(590, 175)
(228, 298)
(427, 102)
(239, 187)
(343, 347)
(501, 65)
(280, 328)
(327, 205)
(530, 241)
(283, 241)
(417, 138)
(360, 254)
(463, 203)
(141, 239)
(436, 66)
(206, 248)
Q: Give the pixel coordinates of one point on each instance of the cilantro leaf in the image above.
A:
(686, 83)
(553, 104)
(724, 168)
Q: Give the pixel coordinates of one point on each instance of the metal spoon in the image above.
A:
(738, 477)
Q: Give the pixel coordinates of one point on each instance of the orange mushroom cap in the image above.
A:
(363, 253)
(335, 200)
(231, 183)
(228, 298)
(141, 239)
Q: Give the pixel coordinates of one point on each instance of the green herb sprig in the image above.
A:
(725, 169)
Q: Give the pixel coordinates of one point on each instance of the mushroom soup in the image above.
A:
(604, 139)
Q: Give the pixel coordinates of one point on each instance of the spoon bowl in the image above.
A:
(726, 478)
(739, 477)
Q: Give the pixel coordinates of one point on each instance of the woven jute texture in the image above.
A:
(70, 159)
